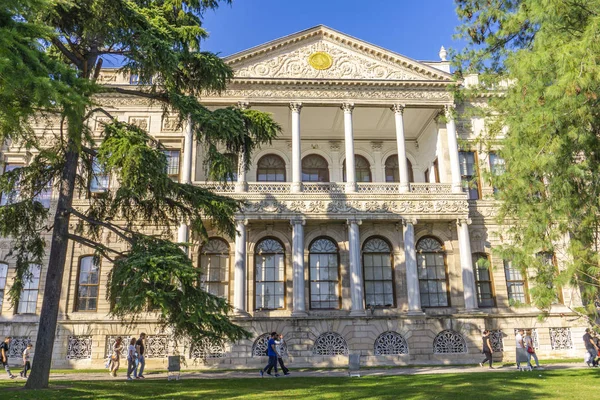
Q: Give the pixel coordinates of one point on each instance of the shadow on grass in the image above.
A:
(563, 384)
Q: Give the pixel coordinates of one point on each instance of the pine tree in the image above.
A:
(539, 60)
(51, 54)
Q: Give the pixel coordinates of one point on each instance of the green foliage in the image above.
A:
(51, 54)
(543, 55)
(160, 273)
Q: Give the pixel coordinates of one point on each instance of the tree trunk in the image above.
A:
(44, 344)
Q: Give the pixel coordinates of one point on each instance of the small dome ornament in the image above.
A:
(443, 53)
(320, 60)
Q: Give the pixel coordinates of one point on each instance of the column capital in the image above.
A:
(356, 221)
(297, 220)
(243, 105)
(461, 221)
(411, 221)
(241, 219)
(398, 108)
(295, 106)
(347, 107)
(449, 110)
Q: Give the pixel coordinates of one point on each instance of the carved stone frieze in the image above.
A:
(171, 124)
(345, 63)
(271, 206)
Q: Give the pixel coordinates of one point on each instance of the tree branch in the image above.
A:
(106, 225)
(67, 53)
(97, 246)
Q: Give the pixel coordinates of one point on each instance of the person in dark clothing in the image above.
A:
(272, 353)
(4, 347)
(141, 360)
(591, 347)
(487, 349)
(279, 346)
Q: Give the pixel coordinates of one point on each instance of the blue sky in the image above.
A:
(415, 29)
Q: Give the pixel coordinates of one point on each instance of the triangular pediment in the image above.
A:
(323, 53)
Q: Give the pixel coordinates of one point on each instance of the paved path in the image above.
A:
(91, 376)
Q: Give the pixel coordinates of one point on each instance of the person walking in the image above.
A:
(4, 347)
(528, 340)
(26, 363)
(141, 361)
(280, 347)
(131, 359)
(521, 353)
(116, 356)
(487, 349)
(272, 353)
(591, 347)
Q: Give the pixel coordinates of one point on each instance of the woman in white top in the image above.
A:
(131, 357)
(116, 356)
(530, 349)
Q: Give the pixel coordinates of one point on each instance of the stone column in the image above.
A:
(453, 150)
(412, 277)
(356, 276)
(466, 264)
(239, 285)
(241, 186)
(349, 142)
(398, 110)
(186, 174)
(296, 148)
(299, 302)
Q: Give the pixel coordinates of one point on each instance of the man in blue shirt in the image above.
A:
(272, 353)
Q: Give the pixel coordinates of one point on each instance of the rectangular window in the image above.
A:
(13, 196)
(496, 167)
(87, 284)
(215, 274)
(515, 284)
(3, 274)
(270, 288)
(483, 280)
(45, 195)
(173, 164)
(433, 280)
(100, 179)
(324, 284)
(548, 259)
(28, 299)
(379, 284)
(468, 173)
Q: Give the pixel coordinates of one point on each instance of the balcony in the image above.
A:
(275, 200)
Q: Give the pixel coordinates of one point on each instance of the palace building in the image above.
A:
(366, 228)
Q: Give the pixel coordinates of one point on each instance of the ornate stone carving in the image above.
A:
(101, 122)
(171, 124)
(243, 105)
(560, 338)
(330, 344)
(79, 348)
(157, 346)
(17, 345)
(390, 344)
(110, 342)
(334, 145)
(449, 342)
(347, 107)
(140, 122)
(496, 340)
(343, 63)
(376, 145)
(206, 350)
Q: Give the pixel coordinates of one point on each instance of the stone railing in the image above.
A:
(269, 187)
(378, 188)
(218, 187)
(323, 187)
(431, 188)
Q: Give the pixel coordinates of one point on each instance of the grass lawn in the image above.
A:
(556, 384)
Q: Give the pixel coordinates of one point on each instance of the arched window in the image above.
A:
(362, 169)
(270, 168)
(214, 265)
(87, 284)
(269, 280)
(392, 172)
(315, 169)
(330, 344)
(433, 277)
(390, 344)
(378, 276)
(483, 280)
(324, 275)
(449, 342)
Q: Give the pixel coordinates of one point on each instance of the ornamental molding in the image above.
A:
(400, 207)
(350, 58)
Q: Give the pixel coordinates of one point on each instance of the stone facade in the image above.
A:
(336, 98)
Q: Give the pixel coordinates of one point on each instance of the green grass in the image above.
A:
(554, 384)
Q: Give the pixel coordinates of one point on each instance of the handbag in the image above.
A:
(530, 350)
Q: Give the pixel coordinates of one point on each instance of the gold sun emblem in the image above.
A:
(320, 60)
